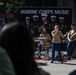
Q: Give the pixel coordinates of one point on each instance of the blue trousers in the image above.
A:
(40, 46)
(57, 47)
(70, 48)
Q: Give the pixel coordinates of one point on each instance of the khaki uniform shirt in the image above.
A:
(56, 38)
(47, 36)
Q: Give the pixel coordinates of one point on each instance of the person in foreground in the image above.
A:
(18, 42)
(72, 72)
(6, 66)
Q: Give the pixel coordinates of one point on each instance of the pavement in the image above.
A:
(57, 68)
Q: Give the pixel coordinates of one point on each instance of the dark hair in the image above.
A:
(18, 42)
(73, 72)
(57, 26)
(73, 25)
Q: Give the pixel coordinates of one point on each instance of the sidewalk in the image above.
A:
(57, 68)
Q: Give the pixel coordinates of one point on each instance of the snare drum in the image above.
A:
(42, 38)
(46, 44)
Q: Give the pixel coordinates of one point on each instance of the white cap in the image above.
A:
(44, 15)
(61, 17)
(27, 18)
(35, 16)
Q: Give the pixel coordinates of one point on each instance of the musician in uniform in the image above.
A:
(28, 23)
(45, 22)
(71, 41)
(36, 25)
(46, 39)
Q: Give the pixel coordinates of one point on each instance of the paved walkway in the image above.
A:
(57, 68)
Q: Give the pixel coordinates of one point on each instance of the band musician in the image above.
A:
(71, 41)
(44, 37)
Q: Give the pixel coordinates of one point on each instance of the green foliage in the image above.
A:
(12, 6)
(9, 8)
(17, 4)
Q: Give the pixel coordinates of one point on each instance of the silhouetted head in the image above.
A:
(18, 42)
(16, 36)
(73, 72)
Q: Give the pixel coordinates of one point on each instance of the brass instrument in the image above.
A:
(73, 36)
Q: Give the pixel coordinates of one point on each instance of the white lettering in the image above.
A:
(28, 11)
(62, 12)
(46, 11)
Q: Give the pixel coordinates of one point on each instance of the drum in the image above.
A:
(46, 44)
(36, 41)
(42, 38)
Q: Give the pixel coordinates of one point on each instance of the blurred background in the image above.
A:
(8, 8)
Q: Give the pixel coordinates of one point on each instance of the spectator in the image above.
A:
(6, 66)
(73, 72)
(18, 42)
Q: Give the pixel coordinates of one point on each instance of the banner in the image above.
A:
(54, 15)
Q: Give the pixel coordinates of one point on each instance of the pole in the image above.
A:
(13, 11)
(4, 1)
